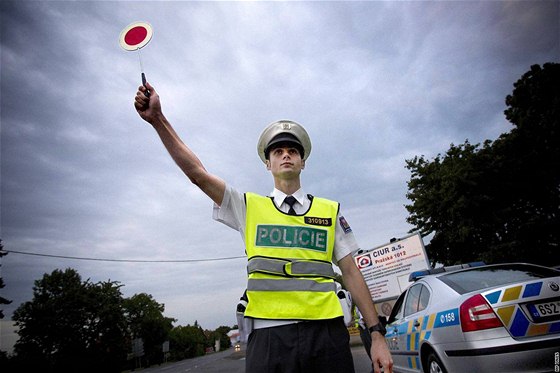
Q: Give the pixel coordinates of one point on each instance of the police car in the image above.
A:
(478, 318)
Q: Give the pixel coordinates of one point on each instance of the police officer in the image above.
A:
(291, 238)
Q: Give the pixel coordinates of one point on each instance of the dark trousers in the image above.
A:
(305, 347)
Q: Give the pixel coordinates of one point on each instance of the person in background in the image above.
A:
(291, 240)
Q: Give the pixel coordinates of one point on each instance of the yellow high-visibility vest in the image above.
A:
(290, 261)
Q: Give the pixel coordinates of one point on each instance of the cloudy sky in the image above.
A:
(374, 83)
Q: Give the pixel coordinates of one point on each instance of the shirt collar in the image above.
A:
(279, 196)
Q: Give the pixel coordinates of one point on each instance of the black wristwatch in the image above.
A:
(377, 328)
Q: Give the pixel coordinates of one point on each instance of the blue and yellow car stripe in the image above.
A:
(414, 362)
(505, 302)
(422, 332)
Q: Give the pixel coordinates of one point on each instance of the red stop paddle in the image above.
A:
(135, 36)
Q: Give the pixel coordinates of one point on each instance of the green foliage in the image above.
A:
(187, 342)
(145, 320)
(221, 334)
(2, 299)
(71, 325)
(500, 201)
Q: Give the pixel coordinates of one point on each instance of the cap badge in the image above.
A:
(286, 126)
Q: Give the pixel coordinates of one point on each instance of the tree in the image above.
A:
(71, 325)
(221, 334)
(447, 202)
(3, 354)
(498, 201)
(2, 299)
(146, 321)
(531, 162)
(187, 342)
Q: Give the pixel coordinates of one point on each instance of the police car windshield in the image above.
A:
(485, 277)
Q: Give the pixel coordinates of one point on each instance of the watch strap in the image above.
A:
(377, 328)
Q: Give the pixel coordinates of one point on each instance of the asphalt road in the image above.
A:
(234, 362)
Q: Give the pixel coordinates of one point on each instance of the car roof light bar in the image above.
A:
(416, 275)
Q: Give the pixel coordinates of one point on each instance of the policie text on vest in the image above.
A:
(288, 236)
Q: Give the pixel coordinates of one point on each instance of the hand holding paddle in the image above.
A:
(148, 107)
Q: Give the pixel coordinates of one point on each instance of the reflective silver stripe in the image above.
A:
(291, 268)
(305, 268)
(274, 266)
(289, 285)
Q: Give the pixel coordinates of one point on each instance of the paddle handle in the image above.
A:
(147, 93)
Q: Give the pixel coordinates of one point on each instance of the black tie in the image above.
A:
(290, 200)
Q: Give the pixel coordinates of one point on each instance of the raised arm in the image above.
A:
(150, 110)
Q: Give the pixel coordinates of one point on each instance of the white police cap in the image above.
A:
(283, 131)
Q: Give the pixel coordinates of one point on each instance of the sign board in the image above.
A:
(386, 268)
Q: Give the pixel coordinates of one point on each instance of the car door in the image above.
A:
(404, 331)
(394, 326)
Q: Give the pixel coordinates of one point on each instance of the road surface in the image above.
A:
(232, 361)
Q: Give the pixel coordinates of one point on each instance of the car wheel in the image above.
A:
(434, 364)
